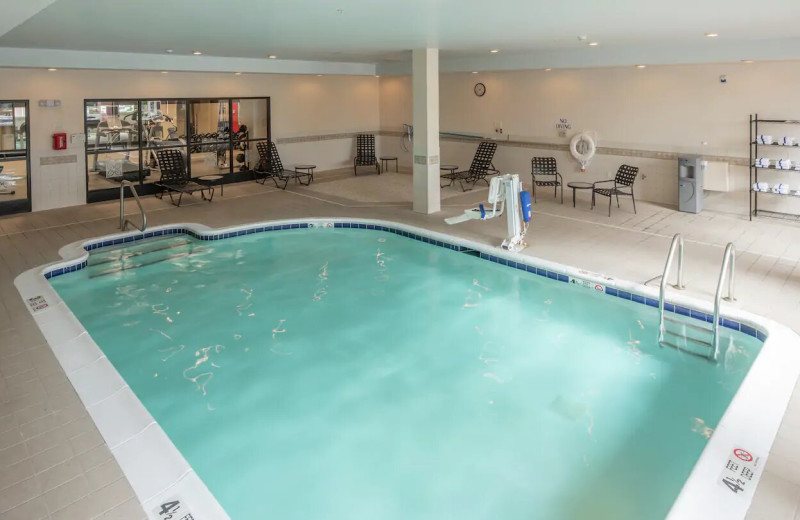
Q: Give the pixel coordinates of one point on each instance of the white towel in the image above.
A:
(763, 186)
(763, 162)
(787, 141)
(765, 139)
(784, 164)
(783, 189)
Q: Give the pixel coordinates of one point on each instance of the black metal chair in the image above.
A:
(174, 178)
(480, 168)
(622, 185)
(270, 167)
(365, 153)
(545, 173)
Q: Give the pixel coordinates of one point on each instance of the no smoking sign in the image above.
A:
(739, 472)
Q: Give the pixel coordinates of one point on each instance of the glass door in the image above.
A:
(15, 179)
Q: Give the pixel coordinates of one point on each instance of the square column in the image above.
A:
(425, 87)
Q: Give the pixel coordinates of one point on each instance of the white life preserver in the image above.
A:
(582, 148)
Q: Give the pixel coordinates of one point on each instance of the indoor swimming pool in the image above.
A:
(344, 373)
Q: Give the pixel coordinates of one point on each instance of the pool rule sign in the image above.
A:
(739, 471)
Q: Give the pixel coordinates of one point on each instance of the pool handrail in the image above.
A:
(729, 268)
(675, 245)
(123, 222)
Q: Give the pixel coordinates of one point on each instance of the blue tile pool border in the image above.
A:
(523, 266)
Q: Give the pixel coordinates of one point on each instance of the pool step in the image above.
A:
(691, 338)
(141, 258)
(125, 251)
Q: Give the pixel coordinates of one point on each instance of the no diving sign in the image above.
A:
(739, 472)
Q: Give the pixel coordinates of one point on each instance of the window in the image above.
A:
(123, 138)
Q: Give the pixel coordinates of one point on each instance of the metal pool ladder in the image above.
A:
(123, 222)
(711, 346)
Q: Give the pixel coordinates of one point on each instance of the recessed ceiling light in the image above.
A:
(377, 75)
(237, 73)
(494, 51)
(164, 72)
(197, 53)
(747, 61)
(320, 75)
(52, 70)
(711, 35)
(170, 51)
(474, 71)
(641, 66)
(547, 70)
(272, 57)
(594, 44)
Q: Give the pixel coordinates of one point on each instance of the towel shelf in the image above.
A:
(771, 170)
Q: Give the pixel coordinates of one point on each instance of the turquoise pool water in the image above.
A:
(354, 374)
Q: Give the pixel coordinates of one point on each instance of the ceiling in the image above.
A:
(383, 31)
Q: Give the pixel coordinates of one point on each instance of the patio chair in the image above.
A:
(365, 153)
(175, 179)
(480, 168)
(545, 173)
(270, 167)
(622, 185)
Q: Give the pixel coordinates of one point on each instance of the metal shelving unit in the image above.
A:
(754, 168)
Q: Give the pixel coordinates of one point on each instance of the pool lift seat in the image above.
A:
(504, 190)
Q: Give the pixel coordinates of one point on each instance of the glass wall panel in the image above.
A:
(123, 138)
(250, 116)
(112, 125)
(108, 169)
(210, 140)
(14, 157)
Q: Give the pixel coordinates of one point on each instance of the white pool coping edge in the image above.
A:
(158, 472)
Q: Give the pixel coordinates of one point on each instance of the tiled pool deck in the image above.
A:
(54, 464)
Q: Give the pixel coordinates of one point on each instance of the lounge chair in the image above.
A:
(270, 167)
(622, 185)
(545, 173)
(365, 153)
(175, 179)
(479, 170)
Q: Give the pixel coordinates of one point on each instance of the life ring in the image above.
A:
(582, 148)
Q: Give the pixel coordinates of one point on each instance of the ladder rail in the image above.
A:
(123, 222)
(728, 268)
(675, 245)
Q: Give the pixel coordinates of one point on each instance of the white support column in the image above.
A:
(425, 81)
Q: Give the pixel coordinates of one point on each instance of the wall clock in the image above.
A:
(480, 89)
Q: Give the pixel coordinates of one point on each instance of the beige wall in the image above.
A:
(301, 106)
(665, 108)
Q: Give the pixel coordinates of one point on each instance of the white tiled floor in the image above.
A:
(55, 464)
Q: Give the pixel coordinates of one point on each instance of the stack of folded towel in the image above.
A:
(765, 139)
(783, 164)
(762, 162)
(761, 186)
(787, 141)
(783, 189)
